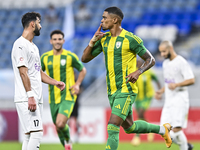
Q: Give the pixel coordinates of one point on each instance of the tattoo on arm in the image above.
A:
(149, 61)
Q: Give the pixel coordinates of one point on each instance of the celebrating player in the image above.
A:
(120, 48)
(177, 75)
(28, 76)
(59, 64)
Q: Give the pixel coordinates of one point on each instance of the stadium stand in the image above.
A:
(152, 20)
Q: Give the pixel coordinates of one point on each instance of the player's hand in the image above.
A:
(98, 34)
(172, 86)
(158, 95)
(31, 104)
(133, 76)
(60, 85)
(75, 89)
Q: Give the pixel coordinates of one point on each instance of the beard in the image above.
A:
(168, 56)
(36, 31)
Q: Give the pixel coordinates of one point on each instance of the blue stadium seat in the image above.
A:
(184, 28)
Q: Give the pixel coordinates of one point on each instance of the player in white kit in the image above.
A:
(28, 86)
(177, 76)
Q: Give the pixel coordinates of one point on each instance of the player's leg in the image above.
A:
(65, 110)
(35, 139)
(179, 120)
(36, 134)
(62, 126)
(113, 132)
(141, 126)
(54, 112)
(115, 122)
(141, 106)
(25, 141)
(33, 127)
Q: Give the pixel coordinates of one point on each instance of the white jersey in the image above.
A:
(26, 53)
(175, 71)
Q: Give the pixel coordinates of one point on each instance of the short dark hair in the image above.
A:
(116, 11)
(56, 32)
(28, 17)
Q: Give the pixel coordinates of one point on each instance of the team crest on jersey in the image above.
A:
(62, 62)
(118, 44)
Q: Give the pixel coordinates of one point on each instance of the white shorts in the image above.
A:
(176, 116)
(30, 121)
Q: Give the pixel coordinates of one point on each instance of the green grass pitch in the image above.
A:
(122, 146)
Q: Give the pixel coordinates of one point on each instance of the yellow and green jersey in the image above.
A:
(120, 59)
(145, 86)
(61, 68)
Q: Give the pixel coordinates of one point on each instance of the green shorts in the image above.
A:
(143, 104)
(121, 104)
(65, 107)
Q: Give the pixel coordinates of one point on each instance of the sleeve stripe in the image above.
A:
(137, 39)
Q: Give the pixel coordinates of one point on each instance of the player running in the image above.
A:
(120, 48)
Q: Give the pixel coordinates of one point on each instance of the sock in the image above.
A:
(180, 139)
(25, 141)
(173, 137)
(113, 137)
(34, 141)
(65, 132)
(61, 137)
(162, 130)
(143, 127)
(138, 135)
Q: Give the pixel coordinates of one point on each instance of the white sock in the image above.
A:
(34, 141)
(173, 137)
(25, 141)
(162, 130)
(180, 139)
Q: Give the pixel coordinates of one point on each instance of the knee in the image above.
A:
(114, 123)
(37, 135)
(60, 125)
(130, 129)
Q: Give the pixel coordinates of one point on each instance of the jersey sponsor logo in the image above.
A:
(118, 106)
(50, 63)
(118, 44)
(37, 66)
(21, 59)
(108, 147)
(169, 81)
(62, 62)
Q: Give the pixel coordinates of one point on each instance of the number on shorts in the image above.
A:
(36, 122)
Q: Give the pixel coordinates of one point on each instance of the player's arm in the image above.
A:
(155, 78)
(149, 61)
(159, 93)
(87, 53)
(188, 76)
(187, 82)
(75, 89)
(48, 80)
(27, 85)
